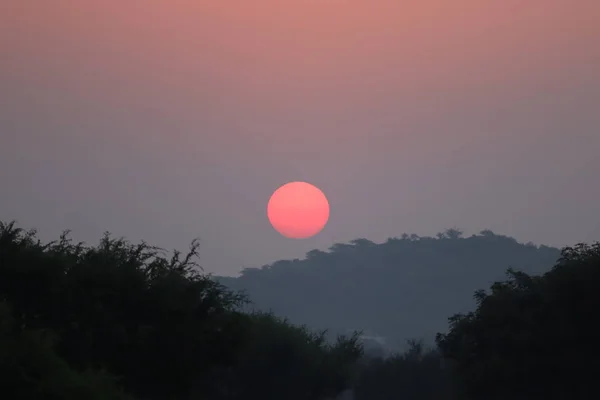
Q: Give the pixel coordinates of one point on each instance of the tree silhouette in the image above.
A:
(30, 369)
(417, 374)
(119, 321)
(167, 330)
(531, 337)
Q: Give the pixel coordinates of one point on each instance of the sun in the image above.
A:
(298, 210)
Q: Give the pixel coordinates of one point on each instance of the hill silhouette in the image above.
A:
(404, 288)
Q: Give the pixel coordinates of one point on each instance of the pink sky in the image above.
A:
(177, 119)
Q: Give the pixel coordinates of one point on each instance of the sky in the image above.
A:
(169, 120)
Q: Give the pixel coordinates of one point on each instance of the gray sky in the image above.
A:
(179, 120)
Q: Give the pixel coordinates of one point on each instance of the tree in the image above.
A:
(157, 322)
(280, 360)
(531, 336)
(167, 330)
(31, 370)
(416, 374)
(453, 233)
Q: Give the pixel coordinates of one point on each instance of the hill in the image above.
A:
(403, 288)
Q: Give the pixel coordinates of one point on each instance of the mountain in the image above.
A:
(403, 288)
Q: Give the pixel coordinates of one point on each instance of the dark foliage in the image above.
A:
(119, 321)
(532, 337)
(164, 328)
(30, 368)
(417, 374)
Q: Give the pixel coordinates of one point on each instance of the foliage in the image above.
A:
(168, 330)
(278, 355)
(31, 370)
(119, 321)
(531, 337)
(417, 374)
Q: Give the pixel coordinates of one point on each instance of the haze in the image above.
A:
(177, 119)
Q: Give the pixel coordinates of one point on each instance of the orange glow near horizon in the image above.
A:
(298, 210)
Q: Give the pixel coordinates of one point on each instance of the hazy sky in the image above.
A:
(169, 120)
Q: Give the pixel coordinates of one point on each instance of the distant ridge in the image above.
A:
(403, 288)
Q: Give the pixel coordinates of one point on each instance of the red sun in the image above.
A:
(298, 210)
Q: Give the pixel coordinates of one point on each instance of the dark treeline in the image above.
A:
(124, 321)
